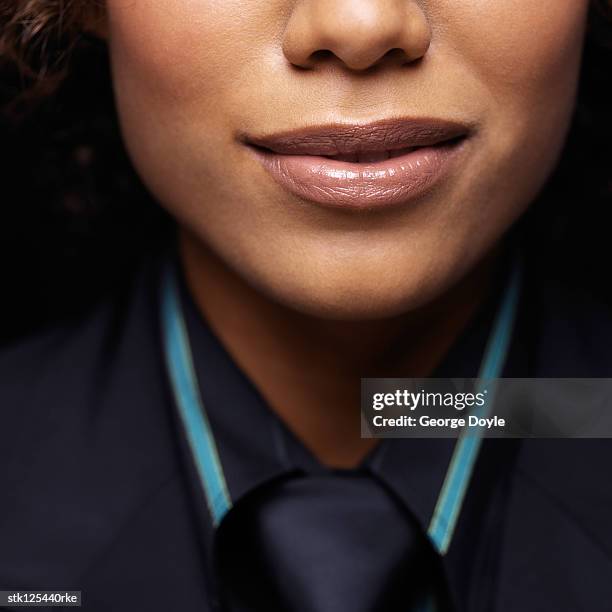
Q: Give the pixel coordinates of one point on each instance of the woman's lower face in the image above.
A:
(348, 158)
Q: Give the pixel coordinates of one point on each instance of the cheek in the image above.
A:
(523, 47)
(173, 51)
(526, 61)
(174, 70)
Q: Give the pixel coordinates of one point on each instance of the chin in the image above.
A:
(364, 308)
(368, 297)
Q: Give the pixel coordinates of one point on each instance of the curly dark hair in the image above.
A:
(77, 220)
(38, 36)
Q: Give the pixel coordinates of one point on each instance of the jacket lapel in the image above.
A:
(557, 538)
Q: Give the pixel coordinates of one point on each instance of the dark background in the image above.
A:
(76, 221)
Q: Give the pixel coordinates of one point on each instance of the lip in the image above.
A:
(362, 166)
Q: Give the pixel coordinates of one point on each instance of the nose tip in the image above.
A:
(358, 33)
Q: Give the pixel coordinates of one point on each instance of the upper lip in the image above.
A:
(345, 138)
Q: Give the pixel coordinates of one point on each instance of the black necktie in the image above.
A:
(333, 543)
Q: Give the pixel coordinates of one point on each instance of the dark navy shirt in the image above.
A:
(99, 492)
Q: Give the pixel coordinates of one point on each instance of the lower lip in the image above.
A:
(361, 185)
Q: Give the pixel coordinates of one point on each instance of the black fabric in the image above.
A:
(99, 494)
(334, 543)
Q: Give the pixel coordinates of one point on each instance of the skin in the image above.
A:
(306, 298)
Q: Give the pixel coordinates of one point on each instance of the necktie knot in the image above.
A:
(331, 543)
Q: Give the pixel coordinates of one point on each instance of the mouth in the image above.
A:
(362, 166)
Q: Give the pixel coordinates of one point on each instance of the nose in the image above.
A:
(358, 33)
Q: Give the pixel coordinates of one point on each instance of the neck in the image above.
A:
(309, 369)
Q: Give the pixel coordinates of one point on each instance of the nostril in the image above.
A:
(396, 52)
(394, 56)
(322, 55)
